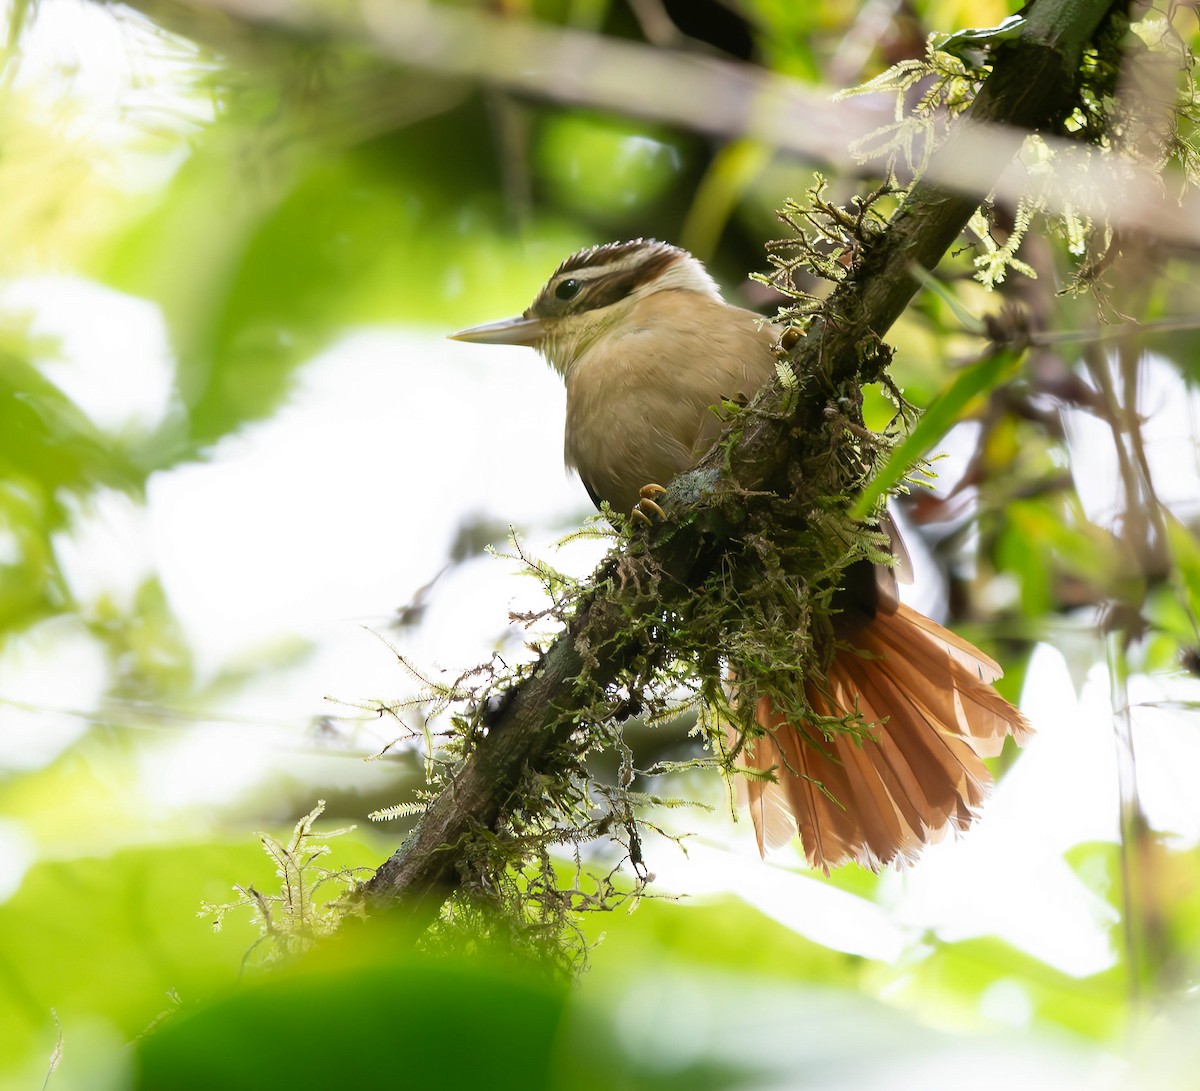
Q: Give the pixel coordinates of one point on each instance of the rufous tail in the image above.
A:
(934, 715)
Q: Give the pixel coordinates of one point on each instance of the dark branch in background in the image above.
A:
(1032, 87)
(465, 46)
(723, 99)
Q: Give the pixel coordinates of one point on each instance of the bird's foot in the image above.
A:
(645, 507)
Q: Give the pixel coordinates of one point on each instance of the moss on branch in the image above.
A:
(798, 448)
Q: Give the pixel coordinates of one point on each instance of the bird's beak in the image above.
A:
(510, 331)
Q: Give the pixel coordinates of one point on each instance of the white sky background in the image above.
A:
(320, 522)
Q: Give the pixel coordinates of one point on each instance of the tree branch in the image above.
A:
(724, 99)
(1032, 86)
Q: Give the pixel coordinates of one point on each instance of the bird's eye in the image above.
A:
(567, 289)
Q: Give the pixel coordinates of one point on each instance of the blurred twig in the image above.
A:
(1146, 101)
(714, 96)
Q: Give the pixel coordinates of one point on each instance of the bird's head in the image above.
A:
(592, 293)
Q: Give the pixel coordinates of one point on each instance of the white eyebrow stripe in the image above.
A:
(627, 271)
(608, 268)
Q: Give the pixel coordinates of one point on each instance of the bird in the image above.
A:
(647, 346)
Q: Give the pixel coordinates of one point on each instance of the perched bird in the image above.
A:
(647, 346)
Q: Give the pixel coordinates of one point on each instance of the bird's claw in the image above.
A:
(646, 506)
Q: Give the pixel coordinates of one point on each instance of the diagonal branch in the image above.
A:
(1032, 87)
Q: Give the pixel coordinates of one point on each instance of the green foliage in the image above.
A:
(1122, 114)
(323, 1026)
(167, 984)
(957, 978)
(720, 975)
(825, 243)
(51, 455)
(947, 409)
(278, 269)
(286, 189)
(142, 902)
(1186, 572)
(929, 93)
(604, 168)
(298, 916)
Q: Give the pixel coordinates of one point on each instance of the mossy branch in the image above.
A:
(1033, 86)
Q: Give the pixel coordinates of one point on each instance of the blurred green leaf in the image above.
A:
(605, 168)
(1185, 550)
(723, 933)
(732, 172)
(44, 436)
(107, 938)
(257, 273)
(404, 1021)
(147, 644)
(1029, 563)
(49, 453)
(955, 980)
(1056, 555)
(947, 409)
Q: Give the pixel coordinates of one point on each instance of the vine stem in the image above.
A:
(1130, 819)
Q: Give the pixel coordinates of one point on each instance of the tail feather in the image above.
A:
(770, 810)
(936, 744)
(927, 694)
(966, 673)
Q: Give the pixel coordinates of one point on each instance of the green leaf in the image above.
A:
(605, 168)
(948, 408)
(963, 42)
(105, 939)
(406, 1021)
(1186, 572)
(957, 978)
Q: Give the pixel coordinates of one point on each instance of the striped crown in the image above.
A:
(602, 276)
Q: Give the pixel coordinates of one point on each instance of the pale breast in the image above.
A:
(640, 401)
